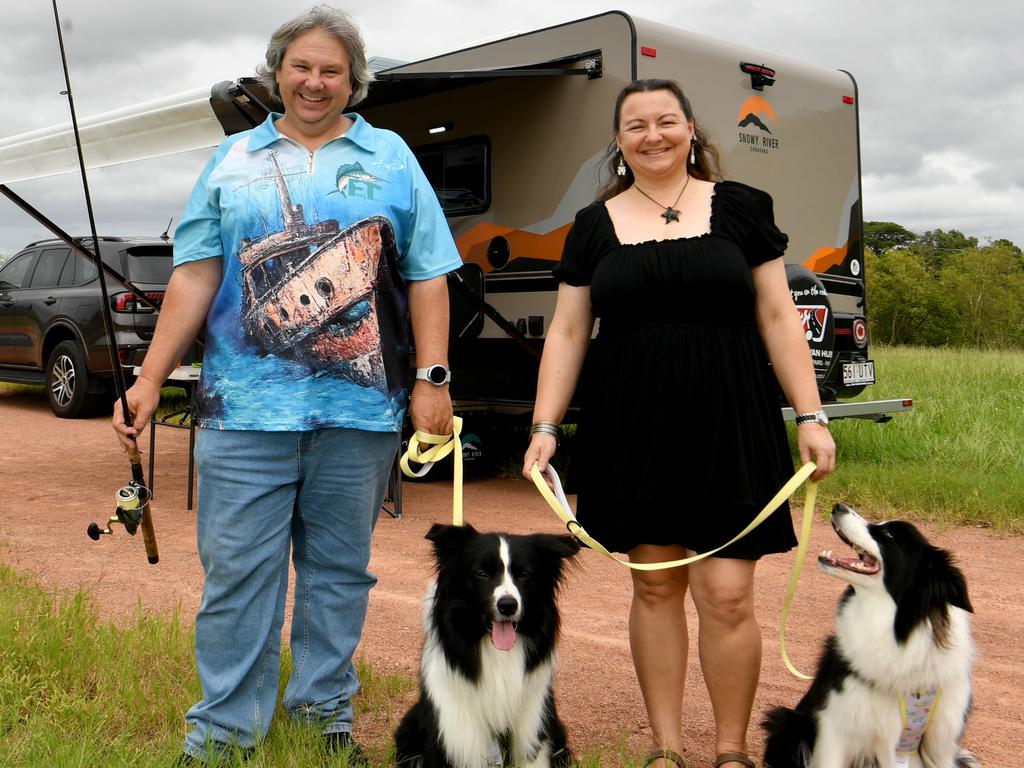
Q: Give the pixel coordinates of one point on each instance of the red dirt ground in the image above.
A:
(59, 475)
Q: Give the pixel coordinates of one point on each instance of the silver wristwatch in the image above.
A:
(437, 375)
(818, 417)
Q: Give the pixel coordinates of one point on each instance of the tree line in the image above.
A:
(942, 289)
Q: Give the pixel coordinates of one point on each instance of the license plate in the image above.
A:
(859, 373)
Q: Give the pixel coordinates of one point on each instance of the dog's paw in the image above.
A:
(965, 759)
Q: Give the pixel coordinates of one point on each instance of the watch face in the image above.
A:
(437, 374)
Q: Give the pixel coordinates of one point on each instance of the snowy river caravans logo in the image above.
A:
(755, 120)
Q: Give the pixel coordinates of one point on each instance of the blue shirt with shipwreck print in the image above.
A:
(308, 328)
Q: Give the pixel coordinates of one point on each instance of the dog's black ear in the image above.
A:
(953, 583)
(570, 544)
(559, 546)
(444, 535)
(938, 585)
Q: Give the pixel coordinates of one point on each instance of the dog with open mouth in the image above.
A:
(893, 685)
(491, 625)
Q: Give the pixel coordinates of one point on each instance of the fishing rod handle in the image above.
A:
(149, 536)
(148, 531)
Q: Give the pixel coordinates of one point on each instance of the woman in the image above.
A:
(303, 247)
(681, 440)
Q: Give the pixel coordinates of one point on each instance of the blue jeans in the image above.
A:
(261, 495)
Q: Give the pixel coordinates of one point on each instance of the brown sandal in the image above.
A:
(665, 754)
(734, 757)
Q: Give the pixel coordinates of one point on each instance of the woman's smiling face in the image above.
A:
(654, 133)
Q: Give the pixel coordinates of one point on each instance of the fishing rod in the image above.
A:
(133, 500)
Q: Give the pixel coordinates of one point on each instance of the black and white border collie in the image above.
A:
(491, 623)
(902, 632)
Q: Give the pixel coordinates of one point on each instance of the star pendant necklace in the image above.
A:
(671, 213)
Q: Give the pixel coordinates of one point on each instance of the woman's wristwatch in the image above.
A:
(817, 417)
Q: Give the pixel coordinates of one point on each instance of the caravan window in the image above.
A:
(459, 172)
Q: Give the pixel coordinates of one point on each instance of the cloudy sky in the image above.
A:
(940, 88)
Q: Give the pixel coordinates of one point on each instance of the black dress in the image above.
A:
(681, 438)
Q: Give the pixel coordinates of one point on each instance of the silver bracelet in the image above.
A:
(547, 428)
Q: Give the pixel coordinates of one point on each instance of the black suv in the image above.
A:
(51, 321)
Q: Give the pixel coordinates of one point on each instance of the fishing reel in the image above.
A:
(131, 500)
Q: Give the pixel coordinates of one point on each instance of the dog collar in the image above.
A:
(916, 709)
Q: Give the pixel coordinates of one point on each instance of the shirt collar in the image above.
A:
(359, 133)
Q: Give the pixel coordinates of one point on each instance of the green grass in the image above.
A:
(955, 458)
(75, 692)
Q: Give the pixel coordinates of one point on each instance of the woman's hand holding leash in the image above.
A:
(815, 444)
(540, 452)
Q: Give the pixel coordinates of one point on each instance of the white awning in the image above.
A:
(166, 126)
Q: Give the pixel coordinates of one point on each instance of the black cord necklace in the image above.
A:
(671, 213)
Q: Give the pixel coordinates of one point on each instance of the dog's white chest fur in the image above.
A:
(864, 628)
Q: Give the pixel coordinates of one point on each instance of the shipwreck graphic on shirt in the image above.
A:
(308, 328)
(310, 291)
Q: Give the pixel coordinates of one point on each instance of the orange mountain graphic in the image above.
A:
(823, 259)
(750, 111)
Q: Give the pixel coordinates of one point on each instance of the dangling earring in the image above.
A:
(621, 169)
(693, 151)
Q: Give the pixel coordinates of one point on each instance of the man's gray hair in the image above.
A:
(338, 25)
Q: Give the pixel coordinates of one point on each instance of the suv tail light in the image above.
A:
(126, 302)
(860, 332)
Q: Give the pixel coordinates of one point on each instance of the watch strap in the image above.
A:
(816, 417)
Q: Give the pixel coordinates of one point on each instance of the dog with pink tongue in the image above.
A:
(491, 626)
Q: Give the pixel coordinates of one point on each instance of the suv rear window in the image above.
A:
(85, 270)
(149, 263)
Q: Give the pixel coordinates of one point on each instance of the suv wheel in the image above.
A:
(67, 382)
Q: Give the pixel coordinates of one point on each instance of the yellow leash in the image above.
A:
(794, 576)
(556, 500)
(440, 446)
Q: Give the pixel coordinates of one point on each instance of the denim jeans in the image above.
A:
(260, 495)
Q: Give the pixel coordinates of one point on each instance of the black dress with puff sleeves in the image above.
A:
(681, 438)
